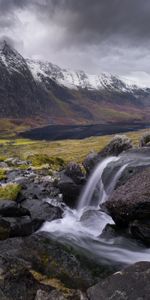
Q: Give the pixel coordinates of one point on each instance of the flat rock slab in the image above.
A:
(130, 284)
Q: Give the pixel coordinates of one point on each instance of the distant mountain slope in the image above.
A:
(31, 89)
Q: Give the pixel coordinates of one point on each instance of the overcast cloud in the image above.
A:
(94, 35)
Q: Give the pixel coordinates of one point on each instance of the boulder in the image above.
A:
(140, 229)
(20, 226)
(23, 226)
(145, 140)
(38, 187)
(74, 171)
(109, 232)
(132, 283)
(117, 145)
(69, 189)
(131, 201)
(129, 206)
(42, 210)
(4, 229)
(17, 282)
(134, 160)
(12, 210)
(54, 262)
(90, 162)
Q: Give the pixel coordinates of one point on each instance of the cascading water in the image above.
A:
(95, 181)
(83, 226)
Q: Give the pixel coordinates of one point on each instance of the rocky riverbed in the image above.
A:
(39, 265)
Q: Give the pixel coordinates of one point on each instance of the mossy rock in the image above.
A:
(2, 158)
(55, 163)
(10, 191)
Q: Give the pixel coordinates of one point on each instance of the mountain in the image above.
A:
(31, 89)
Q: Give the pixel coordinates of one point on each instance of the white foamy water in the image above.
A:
(95, 181)
(83, 226)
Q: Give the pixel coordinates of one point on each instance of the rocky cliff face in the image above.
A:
(33, 88)
(17, 86)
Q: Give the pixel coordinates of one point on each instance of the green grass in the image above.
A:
(10, 191)
(2, 174)
(38, 160)
(58, 153)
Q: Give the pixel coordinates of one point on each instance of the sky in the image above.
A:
(94, 35)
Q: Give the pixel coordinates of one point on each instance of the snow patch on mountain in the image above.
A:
(45, 71)
(80, 79)
(139, 80)
(11, 59)
(74, 79)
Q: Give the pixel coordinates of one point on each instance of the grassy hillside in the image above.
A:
(67, 150)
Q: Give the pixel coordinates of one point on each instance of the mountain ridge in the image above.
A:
(33, 89)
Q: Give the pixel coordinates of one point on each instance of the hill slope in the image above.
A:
(31, 89)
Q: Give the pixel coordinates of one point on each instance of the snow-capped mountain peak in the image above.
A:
(71, 79)
(10, 58)
(80, 79)
(36, 88)
(45, 71)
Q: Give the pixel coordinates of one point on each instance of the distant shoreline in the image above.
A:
(63, 132)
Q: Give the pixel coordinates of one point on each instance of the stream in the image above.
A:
(82, 227)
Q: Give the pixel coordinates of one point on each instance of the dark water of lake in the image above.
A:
(62, 132)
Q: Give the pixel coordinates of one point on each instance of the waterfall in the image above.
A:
(82, 227)
(95, 182)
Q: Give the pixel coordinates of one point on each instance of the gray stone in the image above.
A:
(42, 210)
(132, 283)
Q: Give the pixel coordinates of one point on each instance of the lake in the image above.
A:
(62, 132)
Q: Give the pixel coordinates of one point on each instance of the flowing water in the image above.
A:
(82, 227)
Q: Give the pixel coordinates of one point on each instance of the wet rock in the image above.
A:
(132, 283)
(4, 229)
(70, 192)
(53, 260)
(69, 189)
(24, 226)
(19, 227)
(109, 232)
(140, 229)
(134, 160)
(42, 210)
(131, 201)
(12, 210)
(74, 171)
(90, 162)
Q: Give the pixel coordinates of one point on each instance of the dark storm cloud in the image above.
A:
(100, 20)
(105, 35)
(96, 20)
